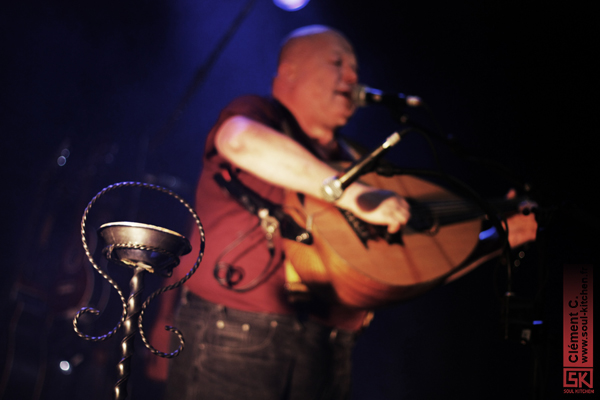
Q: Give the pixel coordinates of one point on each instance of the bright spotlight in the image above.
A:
(65, 367)
(291, 5)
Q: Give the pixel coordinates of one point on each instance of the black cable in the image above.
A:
(229, 276)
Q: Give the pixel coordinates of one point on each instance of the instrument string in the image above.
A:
(450, 208)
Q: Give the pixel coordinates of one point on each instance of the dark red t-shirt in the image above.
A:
(232, 233)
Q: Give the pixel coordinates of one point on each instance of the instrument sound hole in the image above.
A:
(422, 218)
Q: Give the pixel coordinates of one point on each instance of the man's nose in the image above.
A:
(350, 75)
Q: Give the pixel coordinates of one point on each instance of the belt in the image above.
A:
(288, 322)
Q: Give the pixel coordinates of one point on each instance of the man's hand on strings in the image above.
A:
(375, 206)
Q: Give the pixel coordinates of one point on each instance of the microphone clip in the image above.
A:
(333, 187)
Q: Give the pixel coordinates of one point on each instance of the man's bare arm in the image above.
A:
(281, 161)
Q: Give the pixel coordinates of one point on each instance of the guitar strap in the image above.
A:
(271, 215)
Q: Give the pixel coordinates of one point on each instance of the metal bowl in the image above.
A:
(134, 244)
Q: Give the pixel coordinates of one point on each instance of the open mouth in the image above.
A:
(345, 93)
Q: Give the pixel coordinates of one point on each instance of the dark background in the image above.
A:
(99, 83)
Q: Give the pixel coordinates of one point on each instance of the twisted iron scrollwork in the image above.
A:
(136, 280)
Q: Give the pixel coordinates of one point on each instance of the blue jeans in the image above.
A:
(231, 354)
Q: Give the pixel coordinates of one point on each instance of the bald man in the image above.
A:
(314, 81)
(245, 340)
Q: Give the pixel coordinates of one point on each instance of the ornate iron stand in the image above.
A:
(143, 248)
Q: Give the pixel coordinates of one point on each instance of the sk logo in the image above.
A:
(578, 378)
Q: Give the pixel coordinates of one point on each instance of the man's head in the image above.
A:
(315, 76)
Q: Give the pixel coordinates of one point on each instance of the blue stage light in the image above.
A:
(291, 5)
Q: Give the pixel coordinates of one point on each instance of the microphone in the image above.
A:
(333, 187)
(363, 96)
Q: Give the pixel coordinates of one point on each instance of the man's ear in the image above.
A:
(287, 70)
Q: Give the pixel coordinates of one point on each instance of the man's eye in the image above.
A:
(337, 62)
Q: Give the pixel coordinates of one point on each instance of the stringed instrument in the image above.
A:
(361, 265)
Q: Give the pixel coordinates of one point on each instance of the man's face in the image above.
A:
(325, 75)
